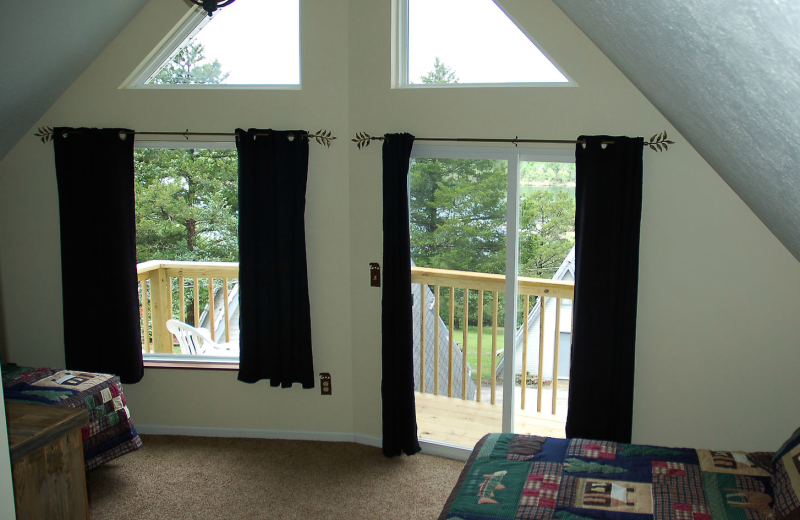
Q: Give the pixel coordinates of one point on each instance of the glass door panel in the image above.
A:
(546, 239)
(458, 252)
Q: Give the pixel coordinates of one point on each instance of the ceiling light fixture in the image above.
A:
(212, 5)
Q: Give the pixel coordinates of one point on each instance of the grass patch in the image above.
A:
(486, 348)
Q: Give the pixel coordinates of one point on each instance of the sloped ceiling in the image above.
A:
(45, 46)
(726, 74)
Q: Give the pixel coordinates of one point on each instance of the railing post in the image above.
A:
(556, 346)
(480, 346)
(145, 318)
(211, 305)
(494, 346)
(225, 296)
(161, 310)
(540, 379)
(182, 298)
(524, 370)
(465, 335)
(423, 291)
(436, 339)
(450, 343)
(196, 301)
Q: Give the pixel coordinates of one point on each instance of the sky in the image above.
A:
(477, 40)
(258, 42)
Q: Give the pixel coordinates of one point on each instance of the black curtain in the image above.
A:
(94, 170)
(397, 384)
(275, 315)
(607, 221)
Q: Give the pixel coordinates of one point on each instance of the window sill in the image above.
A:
(190, 362)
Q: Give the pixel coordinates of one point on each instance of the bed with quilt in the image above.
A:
(110, 432)
(511, 476)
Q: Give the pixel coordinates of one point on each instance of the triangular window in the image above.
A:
(244, 44)
(467, 42)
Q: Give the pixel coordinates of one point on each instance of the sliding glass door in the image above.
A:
(472, 227)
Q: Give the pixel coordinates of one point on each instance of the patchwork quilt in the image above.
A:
(512, 476)
(110, 432)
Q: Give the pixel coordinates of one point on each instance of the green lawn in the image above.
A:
(472, 348)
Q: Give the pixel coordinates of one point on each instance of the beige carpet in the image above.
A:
(174, 477)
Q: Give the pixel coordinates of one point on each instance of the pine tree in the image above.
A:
(440, 74)
(187, 67)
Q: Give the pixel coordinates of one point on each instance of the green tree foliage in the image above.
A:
(547, 232)
(547, 173)
(186, 205)
(458, 222)
(187, 200)
(440, 74)
(186, 209)
(457, 213)
(189, 66)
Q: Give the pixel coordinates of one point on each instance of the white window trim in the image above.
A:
(399, 64)
(184, 359)
(185, 144)
(526, 154)
(187, 27)
(160, 360)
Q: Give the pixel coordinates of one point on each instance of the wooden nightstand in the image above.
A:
(47, 461)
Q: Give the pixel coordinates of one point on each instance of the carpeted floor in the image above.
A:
(198, 478)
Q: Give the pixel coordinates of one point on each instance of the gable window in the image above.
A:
(465, 42)
(187, 250)
(246, 45)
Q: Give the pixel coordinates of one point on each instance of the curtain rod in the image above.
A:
(658, 142)
(323, 137)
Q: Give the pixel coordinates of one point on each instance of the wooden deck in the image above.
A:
(463, 423)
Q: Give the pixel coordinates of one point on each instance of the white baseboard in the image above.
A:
(447, 451)
(253, 433)
(428, 448)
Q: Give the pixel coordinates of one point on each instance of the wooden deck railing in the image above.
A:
(161, 280)
(494, 285)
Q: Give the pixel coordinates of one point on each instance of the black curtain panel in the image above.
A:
(607, 221)
(275, 315)
(94, 171)
(397, 384)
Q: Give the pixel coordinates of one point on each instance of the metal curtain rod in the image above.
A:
(658, 142)
(323, 137)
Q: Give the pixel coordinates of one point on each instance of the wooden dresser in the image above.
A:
(47, 461)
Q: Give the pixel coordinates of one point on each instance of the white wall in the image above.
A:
(716, 334)
(30, 241)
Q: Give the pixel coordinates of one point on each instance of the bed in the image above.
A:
(512, 476)
(110, 432)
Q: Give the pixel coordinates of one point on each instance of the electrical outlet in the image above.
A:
(325, 383)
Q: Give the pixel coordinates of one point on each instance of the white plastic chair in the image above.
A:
(197, 342)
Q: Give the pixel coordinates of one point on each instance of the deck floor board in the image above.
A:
(462, 423)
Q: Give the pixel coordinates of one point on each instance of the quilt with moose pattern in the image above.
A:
(511, 476)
